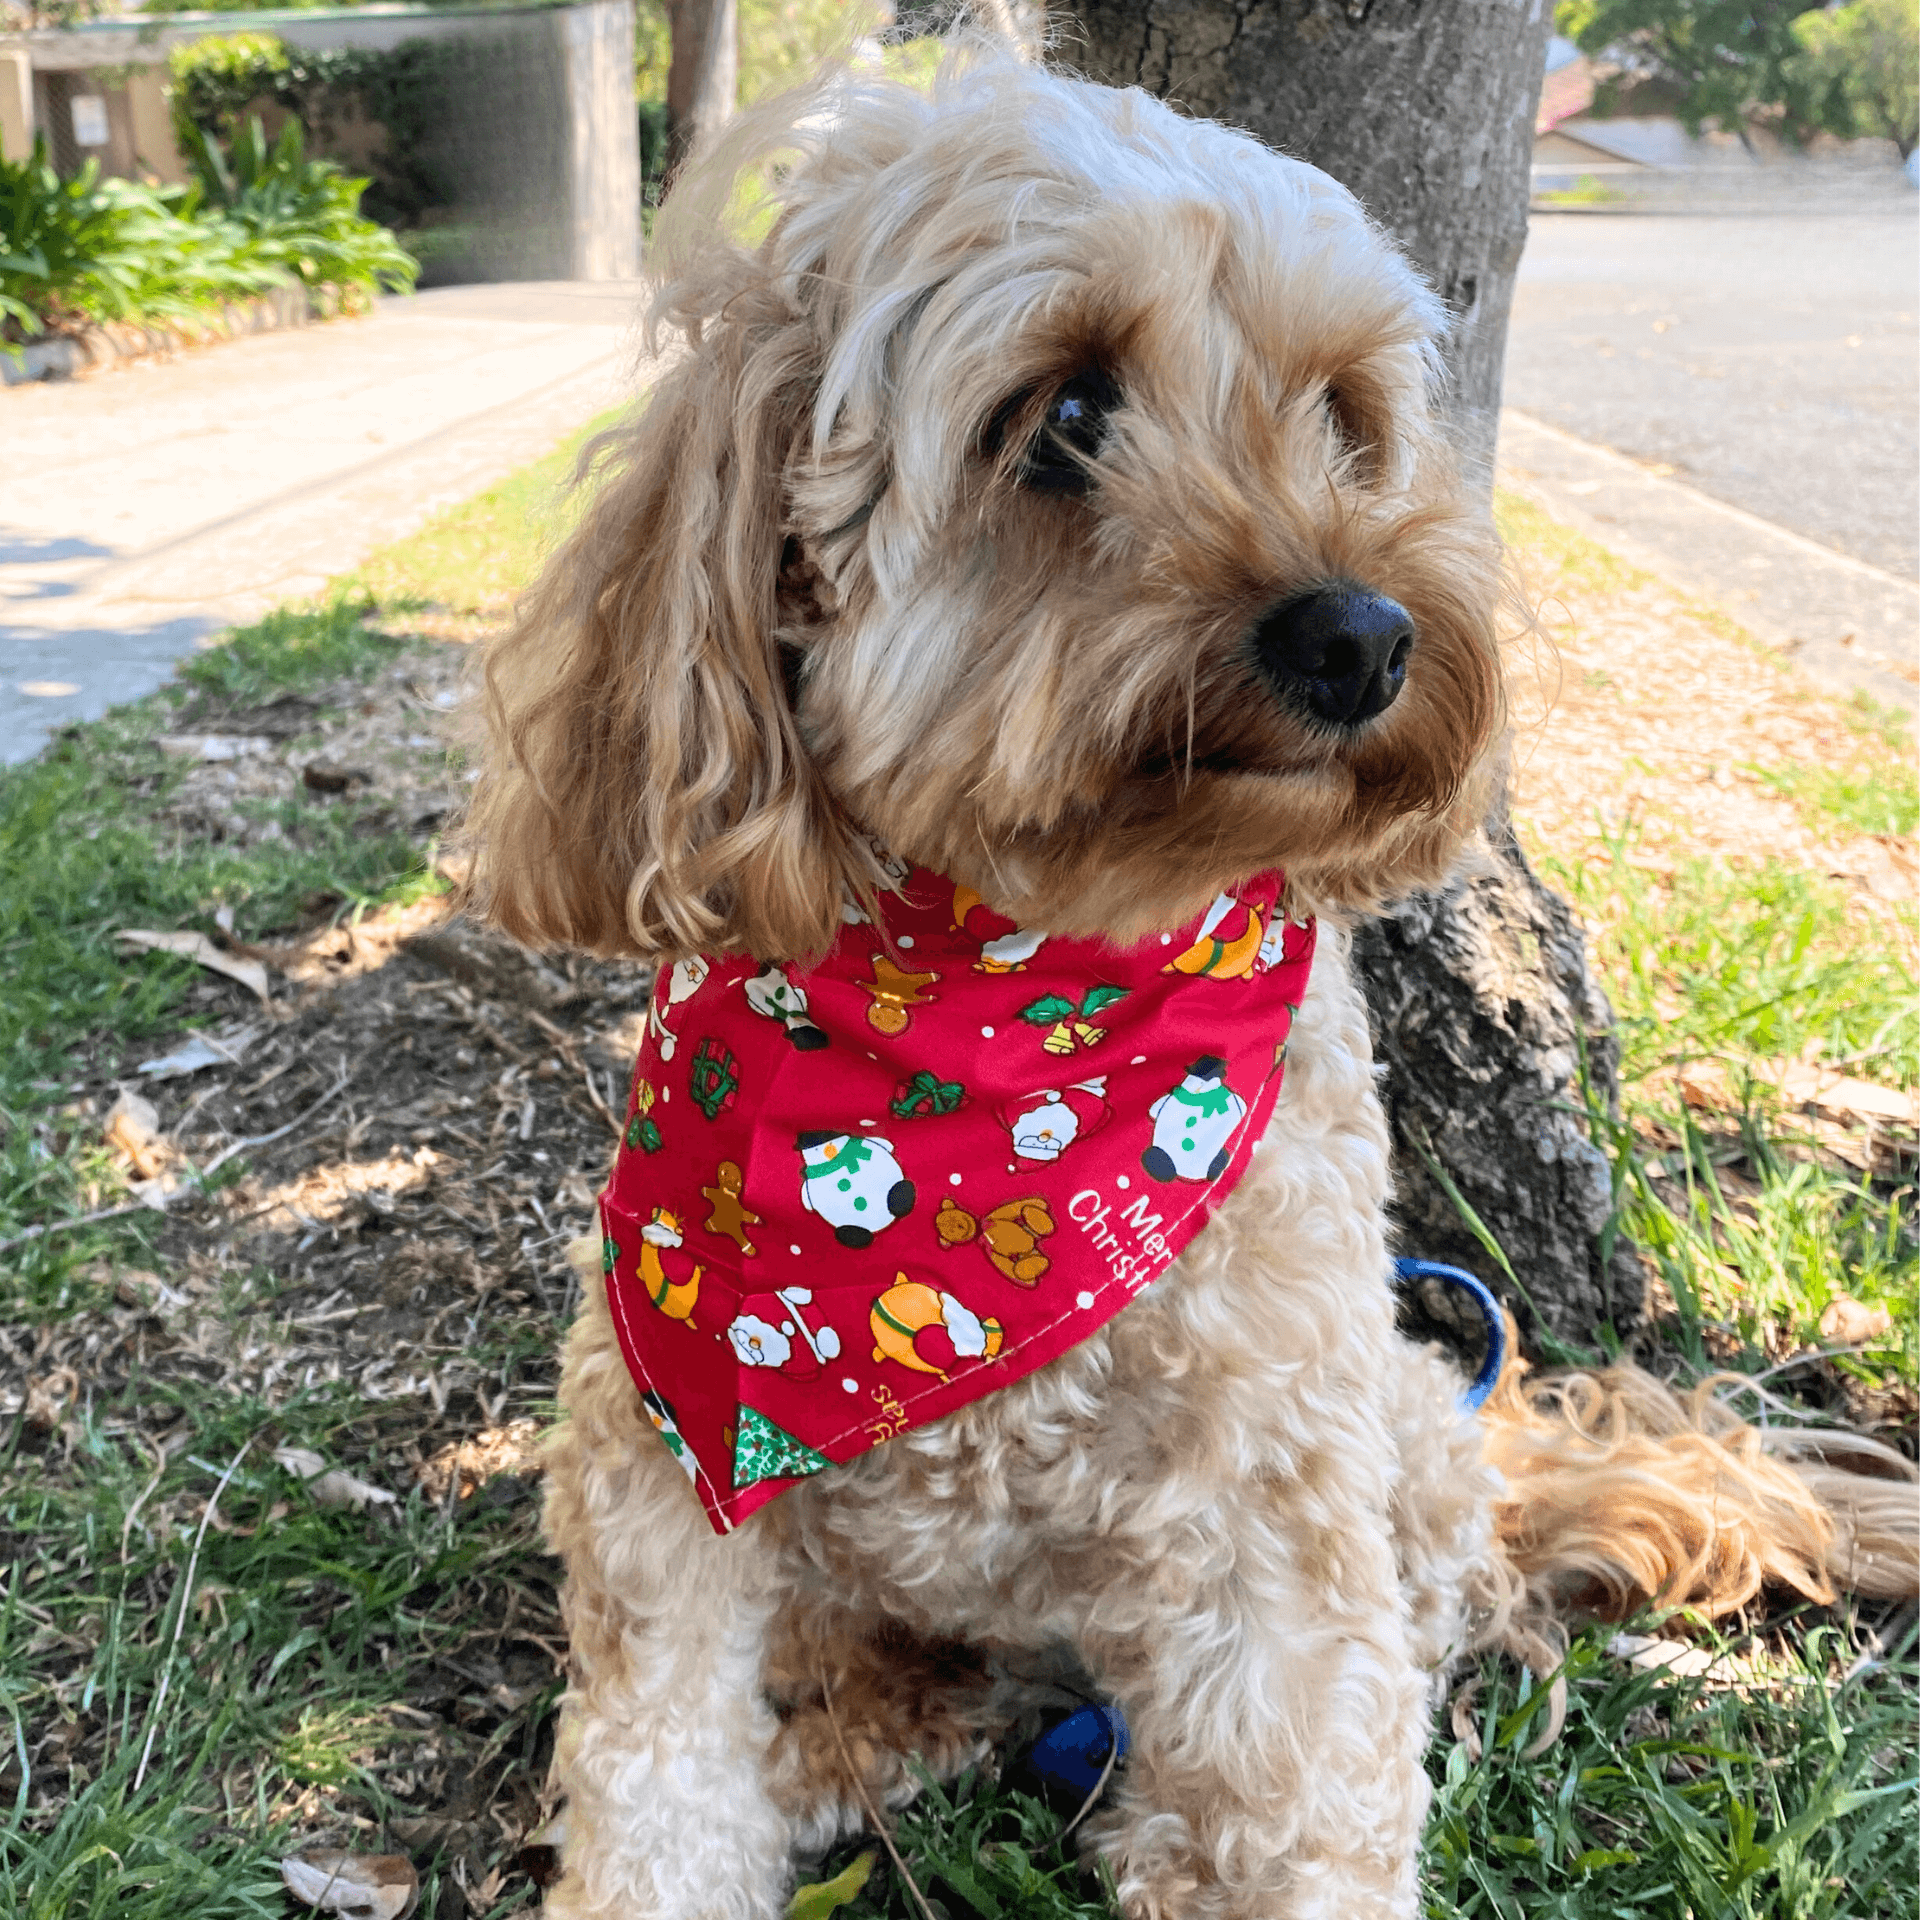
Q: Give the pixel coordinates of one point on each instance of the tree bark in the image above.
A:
(1484, 1006)
(703, 75)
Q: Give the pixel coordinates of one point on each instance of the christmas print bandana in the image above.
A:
(851, 1199)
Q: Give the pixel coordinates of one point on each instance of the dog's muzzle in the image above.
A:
(1340, 652)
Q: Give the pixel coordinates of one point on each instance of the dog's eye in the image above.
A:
(1355, 430)
(1071, 434)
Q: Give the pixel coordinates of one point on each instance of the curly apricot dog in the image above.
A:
(1051, 503)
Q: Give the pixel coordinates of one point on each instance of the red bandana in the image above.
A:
(851, 1200)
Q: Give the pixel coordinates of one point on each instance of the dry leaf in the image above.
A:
(1706, 1085)
(332, 1486)
(133, 1129)
(1650, 1656)
(213, 746)
(147, 1291)
(196, 946)
(1865, 1101)
(1852, 1323)
(375, 1886)
(1709, 1085)
(202, 1050)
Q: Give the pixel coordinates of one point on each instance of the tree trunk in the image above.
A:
(703, 75)
(1483, 1004)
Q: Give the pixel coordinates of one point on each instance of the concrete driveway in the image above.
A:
(146, 509)
(1760, 374)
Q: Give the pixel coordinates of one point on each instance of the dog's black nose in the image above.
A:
(1339, 651)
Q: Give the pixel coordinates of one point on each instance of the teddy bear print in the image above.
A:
(1042, 1125)
(789, 1344)
(1194, 1124)
(774, 996)
(1009, 1235)
(853, 1183)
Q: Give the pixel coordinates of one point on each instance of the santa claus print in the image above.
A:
(1042, 1125)
(780, 1335)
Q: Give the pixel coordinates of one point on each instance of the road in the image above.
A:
(1767, 360)
(146, 509)
(1771, 361)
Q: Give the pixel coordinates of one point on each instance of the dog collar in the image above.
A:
(850, 1199)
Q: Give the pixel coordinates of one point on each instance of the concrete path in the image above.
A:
(146, 509)
(1850, 625)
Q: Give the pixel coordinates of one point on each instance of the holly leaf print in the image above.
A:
(1048, 1010)
(1099, 999)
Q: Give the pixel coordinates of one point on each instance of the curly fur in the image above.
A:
(815, 608)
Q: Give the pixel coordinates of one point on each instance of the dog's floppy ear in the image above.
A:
(646, 790)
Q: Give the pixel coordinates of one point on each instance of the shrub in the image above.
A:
(91, 249)
(303, 215)
(94, 249)
(1862, 64)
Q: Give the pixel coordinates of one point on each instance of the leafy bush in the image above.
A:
(302, 214)
(90, 249)
(93, 249)
(1862, 62)
(405, 90)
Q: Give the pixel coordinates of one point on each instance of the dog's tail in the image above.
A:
(1621, 1491)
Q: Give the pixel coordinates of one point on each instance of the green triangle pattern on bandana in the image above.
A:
(767, 1452)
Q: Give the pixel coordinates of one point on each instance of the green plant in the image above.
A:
(304, 214)
(1722, 60)
(90, 249)
(410, 91)
(1861, 65)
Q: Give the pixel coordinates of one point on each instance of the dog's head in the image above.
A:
(1055, 496)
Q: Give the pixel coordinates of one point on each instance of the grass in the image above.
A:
(1775, 1787)
(475, 557)
(1869, 798)
(292, 1639)
(1752, 1232)
(308, 1632)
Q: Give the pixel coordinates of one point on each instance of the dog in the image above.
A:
(1051, 507)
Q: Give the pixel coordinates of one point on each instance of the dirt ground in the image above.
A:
(1632, 704)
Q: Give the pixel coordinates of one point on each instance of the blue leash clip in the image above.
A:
(1407, 1273)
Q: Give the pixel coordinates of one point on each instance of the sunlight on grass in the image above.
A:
(1763, 960)
(477, 557)
(1868, 798)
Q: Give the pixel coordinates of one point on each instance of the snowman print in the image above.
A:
(854, 1184)
(772, 994)
(1194, 1125)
